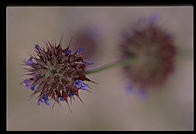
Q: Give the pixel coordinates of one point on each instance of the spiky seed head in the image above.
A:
(55, 74)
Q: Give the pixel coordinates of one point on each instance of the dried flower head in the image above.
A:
(56, 74)
(154, 53)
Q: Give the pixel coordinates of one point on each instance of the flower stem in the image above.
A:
(124, 62)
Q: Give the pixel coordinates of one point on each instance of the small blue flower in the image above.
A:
(80, 50)
(47, 103)
(77, 83)
(61, 99)
(44, 100)
(84, 86)
(80, 84)
(26, 83)
(68, 52)
(33, 87)
(37, 47)
(30, 61)
(72, 94)
(154, 19)
(41, 101)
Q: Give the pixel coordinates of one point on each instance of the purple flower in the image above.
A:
(47, 103)
(80, 50)
(77, 83)
(84, 86)
(33, 87)
(29, 61)
(26, 83)
(37, 48)
(61, 99)
(44, 99)
(68, 52)
(80, 84)
(72, 94)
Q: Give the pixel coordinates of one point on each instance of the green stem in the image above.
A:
(115, 64)
(125, 62)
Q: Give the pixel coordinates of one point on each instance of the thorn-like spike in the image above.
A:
(61, 40)
(79, 98)
(68, 105)
(91, 81)
(74, 99)
(53, 105)
(69, 42)
(59, 104)
(70, 100)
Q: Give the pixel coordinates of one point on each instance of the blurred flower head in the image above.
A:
(153, 50)
(55, 73)
(89, 38)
